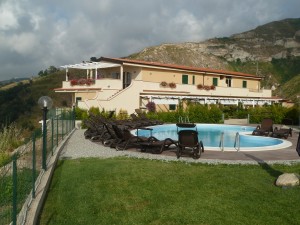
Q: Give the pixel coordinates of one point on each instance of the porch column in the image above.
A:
(96, 73)
(67, 75)
(87, 74)
(121, 76)
(91, 74)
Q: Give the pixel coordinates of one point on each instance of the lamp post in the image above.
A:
(298, 96)
(45, 104)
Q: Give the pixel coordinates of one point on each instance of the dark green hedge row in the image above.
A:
(198, 113)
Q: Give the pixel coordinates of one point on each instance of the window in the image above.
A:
(215, 81)
(115, 75)
(77, 100)
(244, 84)
(193, 79)
(172, 107)
(228, 81)
(185, 79)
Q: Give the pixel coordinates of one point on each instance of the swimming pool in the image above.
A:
(212, 134)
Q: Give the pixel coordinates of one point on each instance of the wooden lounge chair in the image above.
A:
(155, 146)
(282, 132)
(188, 141)
(265, 128)
(129, 140)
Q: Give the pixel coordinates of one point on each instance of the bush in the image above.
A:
(4, 158)
(10, 138)
(122, 115)
(151, 106)
(80, 114)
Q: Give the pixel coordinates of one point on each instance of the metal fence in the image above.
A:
(20, 177)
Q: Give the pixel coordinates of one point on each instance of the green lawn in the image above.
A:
(138, 191)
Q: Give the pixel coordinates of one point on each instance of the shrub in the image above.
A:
(122, 115)
(151, 106)
(94, 110)
(4, 158)
(80, 114)
(10, 138)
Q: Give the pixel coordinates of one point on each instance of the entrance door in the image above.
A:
(126, 79)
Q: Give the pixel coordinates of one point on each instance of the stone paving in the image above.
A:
(78, 147)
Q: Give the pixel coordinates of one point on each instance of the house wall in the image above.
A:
(147, 80)
(157, 75)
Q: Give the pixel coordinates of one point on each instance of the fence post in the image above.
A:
(15, 188)
(62, 127)
(44, 150)
(52, 130)
(56, 118)
(248, 119)
(74, 116)
(33, 165)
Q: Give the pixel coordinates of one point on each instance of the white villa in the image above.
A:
(124, 84)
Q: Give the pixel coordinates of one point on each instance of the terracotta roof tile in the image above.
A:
(180, 67)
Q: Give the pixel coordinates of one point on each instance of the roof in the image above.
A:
(125, 61)
(105, 62)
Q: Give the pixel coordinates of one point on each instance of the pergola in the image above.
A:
(90, 67)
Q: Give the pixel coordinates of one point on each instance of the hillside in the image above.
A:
(19, 101)
(271, 51)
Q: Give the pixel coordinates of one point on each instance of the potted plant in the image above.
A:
(212, 87)
(82, 81)
(163, 84)
(200, 86)
(90, 82)
(172, 85)
(73, 82)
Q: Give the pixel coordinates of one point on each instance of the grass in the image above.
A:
(137, 191)
(24, 180)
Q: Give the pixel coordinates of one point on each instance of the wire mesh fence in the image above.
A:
(20, 176)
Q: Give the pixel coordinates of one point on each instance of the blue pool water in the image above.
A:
(210, 134)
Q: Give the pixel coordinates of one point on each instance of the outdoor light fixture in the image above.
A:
(45, 104)
(45, 101)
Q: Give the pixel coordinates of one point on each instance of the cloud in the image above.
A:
(36, 34)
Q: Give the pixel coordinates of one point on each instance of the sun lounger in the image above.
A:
(282, 132)
(188, 140)
(128, 139)
(156, 146)
(265, 128)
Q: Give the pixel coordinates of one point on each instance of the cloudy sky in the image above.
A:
(35, 34)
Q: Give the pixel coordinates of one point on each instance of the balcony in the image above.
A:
(93, 84)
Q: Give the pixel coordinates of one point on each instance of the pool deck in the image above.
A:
(288, 154)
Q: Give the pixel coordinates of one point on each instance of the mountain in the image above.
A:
(271, 51)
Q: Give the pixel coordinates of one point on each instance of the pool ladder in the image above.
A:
(236, 142)
(221, 144)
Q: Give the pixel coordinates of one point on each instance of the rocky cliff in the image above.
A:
(252, 51)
